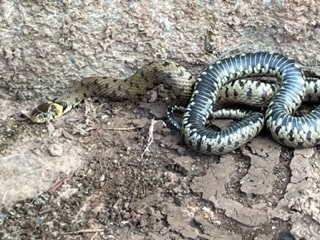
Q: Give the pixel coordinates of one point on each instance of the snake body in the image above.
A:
(168, 73)
(247, 92)
(221, 82)
(286, 129)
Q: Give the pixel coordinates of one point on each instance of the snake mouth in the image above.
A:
(46, 112)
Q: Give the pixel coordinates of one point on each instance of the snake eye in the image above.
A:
(40, 118)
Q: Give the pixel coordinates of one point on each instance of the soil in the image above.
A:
(119, 170)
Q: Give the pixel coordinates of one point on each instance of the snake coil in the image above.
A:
(286, 129)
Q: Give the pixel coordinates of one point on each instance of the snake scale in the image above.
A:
(224, 80)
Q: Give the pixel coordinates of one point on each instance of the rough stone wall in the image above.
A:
(45, 45)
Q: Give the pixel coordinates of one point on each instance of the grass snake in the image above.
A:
(225, 80)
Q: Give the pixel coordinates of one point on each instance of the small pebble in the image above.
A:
(55, 150)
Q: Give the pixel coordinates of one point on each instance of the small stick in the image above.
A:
(59, 183)
(122, 129)
(93, 230)
(150, 137)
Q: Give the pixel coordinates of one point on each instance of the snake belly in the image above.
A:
(286, 129)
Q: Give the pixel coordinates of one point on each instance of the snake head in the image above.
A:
(45, 112)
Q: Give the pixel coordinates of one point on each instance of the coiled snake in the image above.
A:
(221, 81)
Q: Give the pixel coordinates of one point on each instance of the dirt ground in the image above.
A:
(118, 170)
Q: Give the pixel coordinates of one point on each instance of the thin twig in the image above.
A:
(150, 137)
(59, 183)
(122, 129)
(93, 230)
